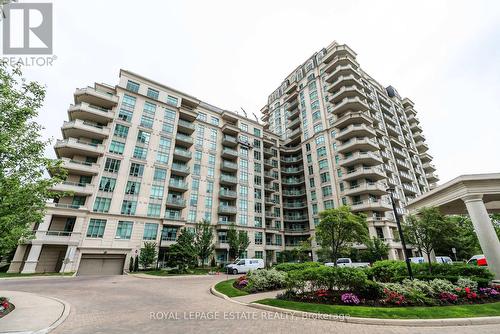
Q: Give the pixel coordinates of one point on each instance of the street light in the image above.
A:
(400, 230)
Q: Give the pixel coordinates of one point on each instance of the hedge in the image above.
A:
(287, 267)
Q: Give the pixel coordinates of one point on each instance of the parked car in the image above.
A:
(444, 259)
(417, 259)
(479, 260)
(242, 266)
(347, 262)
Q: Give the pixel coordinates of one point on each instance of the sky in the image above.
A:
(443, 55)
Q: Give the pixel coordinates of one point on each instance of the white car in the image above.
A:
(417, 259)
(242, 266)
(347, 262)
(444, 259)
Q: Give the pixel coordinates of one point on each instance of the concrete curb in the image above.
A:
(64, 315)
(146, 276)
(36, 277)
(367, 321)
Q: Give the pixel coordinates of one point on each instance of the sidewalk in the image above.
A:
(257, 296)
(33, 313)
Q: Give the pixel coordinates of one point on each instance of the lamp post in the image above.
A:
(400, 230)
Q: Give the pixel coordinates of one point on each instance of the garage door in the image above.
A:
(100, 264)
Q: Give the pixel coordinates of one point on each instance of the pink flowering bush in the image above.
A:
(349, 298)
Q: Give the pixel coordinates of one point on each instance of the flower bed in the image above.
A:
(350, 286)
(5, 307)
(261, 280)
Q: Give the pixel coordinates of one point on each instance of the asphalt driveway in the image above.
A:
(127, 304)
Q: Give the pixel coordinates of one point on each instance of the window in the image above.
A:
(165, 143)
(318, 127)
(311, 182)
(160, 174)
(327, 190)
(313, 195)
(258, 238)
(125, 115)
(133, 86)
(323, 164)
(257, 221)
(169, 233)
(256, 155)
(210, 172)
(143, 137)
(136, 169)
(173, 101)
(162, 158)
(211, 159)
(128, 207)
(321, 152)
(257, 167)
(256, 143)
(320, 140)
(96, 228)
(121, 131)
(124, 230)
(128, 101)
(112, 165)
(147, 121)
(132, 188)
(196, 169)
(202, 116)
(316, 116)
(244, 127)
(102, 204)
(107, 184)
(156, 192)
(140, 153)
(167, 128)
(325, 177)
(116, 147)
(210, 187)
(154, 210)
(256, 132)
(150, 231)
(153, 93)
(214, 120)
(149, 108)
(169, 115)
(329, 204)
(259, 255)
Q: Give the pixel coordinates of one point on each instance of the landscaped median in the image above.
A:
(374, 295)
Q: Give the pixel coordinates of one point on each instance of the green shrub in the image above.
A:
(265, 279)
(418, 285)
(370, 290)
(328, 278)
(440, 285)
(465, 282)
(385, 271)
(286, 267)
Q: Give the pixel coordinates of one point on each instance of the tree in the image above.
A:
(238, 241)
(338, 228)
(427, 230)
(24, 188)
(182, 254)
(148, 254)
(203, 240)
(376, 249)
(136, 263)
(131, 264)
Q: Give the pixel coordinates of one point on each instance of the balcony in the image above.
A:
(270, 201)
(227, 209)
(271, 163)
(392, 130)
(371, 204)
(355, 130)
(178, 185)
(345, 81)
(185, 126)
(291, 159)
(295, 133)
(294, 205)
(292, 87)
(187, 113)
(72, 146)
(230, 129)
(338, 51)
(428, 167)
(79, 128)
(229, 153)
(292, 170)
(295, 218)
(406, 176)
(374, 173)
(270, 187)
(349, 103)
(57, 237)
(95, 97)
(293, 193)
(431, 177)
(409, 189)
(80, 167)
(183, 140)
(180, 169)
(425, 157)
(268, 153)
(292, 181)
(346, 92)
(175, 202)
(292, 96)
(228, 166)
(229, 141)
(418, 136)
(227, 194)
(91, 113)
(358, 158)
(400, 153)
(403, 164)
(173, 218)
(81, 189)
(271, 175)
(294, 124)
(421, 147)
(358, 144)
(349, 118)
(181, 154)
(342, 71)
(296, 231)
(270, 215)
(228, 179)
(374, 188)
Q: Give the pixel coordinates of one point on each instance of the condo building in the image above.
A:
(145, 160)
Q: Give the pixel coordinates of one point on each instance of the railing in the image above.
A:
(186, 124)
(178, 184)
(228, 178)
(183, 153)
(230, 139)
(229, 164)
(228, 193)
(228, 208)
(184, 138)
(180, 168)
(176, 201)
(229, 151)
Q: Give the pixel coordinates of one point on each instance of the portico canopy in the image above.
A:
(475, 195)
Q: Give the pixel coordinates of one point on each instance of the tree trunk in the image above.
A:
(430, 263)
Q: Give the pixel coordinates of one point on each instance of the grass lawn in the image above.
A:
(226, 287)
(3, 275)
(195, 271)
(415, 312)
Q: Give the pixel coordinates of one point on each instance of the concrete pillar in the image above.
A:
(69, 260)
(485, 232)
(17, 261)
(45, 224)
(32, 260)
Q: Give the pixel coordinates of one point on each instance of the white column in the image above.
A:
(32, 260)
(485, 232)
(17, 261)
(68, 261)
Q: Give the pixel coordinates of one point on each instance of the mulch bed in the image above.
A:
(5, 307)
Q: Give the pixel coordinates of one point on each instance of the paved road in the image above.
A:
(123, 304)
